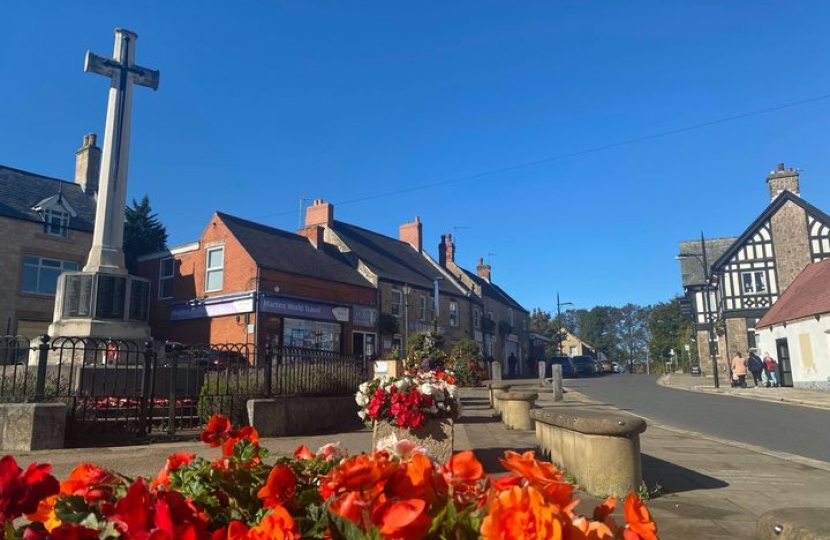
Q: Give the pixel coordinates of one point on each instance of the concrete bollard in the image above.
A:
(495, 371)
(540, 370)
(558, 392)
(497, 388)
(515, 409)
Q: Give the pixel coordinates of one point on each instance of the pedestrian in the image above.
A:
(771, 370)
(756, 367)
(739, 370)
(511, 364)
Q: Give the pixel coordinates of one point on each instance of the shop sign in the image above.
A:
(303, 309)
(213, 308)
(364, 316)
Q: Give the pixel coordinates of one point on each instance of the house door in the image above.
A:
(785, 369)
(363, 345)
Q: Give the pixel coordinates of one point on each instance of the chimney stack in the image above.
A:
(446, 250)
(319, 213)
(783, 179)
(483, 270)
(88, 164)
(315, 233)
(411, 233)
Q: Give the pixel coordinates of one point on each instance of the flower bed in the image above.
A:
(409, 400)
(395, 493)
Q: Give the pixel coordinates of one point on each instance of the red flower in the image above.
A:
(174, 463)
(302, 452)
(402, 520)
(91, 482)
(218, 429)
(277, 525)
(279, 488)
(21, 491)
(639, 518)
(67, 531)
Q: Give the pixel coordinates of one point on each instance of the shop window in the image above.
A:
(167, 269)
(215, 269)
(397, 303)
(309, 334)
(453, 313)
(40, 275)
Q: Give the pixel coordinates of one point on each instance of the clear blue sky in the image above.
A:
(362, 103)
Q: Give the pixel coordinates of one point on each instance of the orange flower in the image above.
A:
(277, 525)
(582, 528)
(352, 506)
(174, 463)
(506, 481)
(279, 488)
(522, 513)
(363, 472)
(639, 518)
(417, 479)
(541, 475)
(302, 452)
(605, 509)
(465, 474)
(402, 520)
(218, 429)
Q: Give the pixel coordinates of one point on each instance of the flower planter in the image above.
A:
(436, 436)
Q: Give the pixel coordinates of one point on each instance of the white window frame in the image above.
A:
(454, 313)
(397, 303)
(476, 318)
(753, 281)
(422, 308)
(166, 279)
(36, 264)
(56, 222)
(214, 270)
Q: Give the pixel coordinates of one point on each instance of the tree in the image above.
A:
(143, 233)
(669, 330)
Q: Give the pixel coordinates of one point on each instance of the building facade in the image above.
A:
(748, 274)
(46, 225)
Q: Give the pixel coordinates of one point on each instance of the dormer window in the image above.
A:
(55, 213)
(56, 222)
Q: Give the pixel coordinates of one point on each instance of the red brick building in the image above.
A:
(243, 282)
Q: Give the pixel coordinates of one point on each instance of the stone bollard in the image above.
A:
(515, 409)
(558, 392)
(540, 370)
(495, 371)
(497, 388)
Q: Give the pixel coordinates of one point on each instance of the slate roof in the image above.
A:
(491, 290)
(21, 190)
(808, 295)
(288, 252)
(691, 270)
(393, 260)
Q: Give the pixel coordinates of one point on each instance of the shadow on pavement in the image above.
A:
(672, 478)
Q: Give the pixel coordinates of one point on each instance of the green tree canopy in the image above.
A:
(143, 233)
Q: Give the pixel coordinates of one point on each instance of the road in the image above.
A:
(781, 427)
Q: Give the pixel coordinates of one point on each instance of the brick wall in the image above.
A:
(22, 238)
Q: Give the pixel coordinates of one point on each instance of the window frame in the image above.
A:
(209, 270)
(59, 229)
(453, 309)
(397, 303)
(62, 266)
(756, 280)
(166, 279)
(422, 308)
(476, 318)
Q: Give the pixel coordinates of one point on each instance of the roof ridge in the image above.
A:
(29, 173)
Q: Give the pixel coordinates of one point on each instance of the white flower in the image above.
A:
(401, 448)
(426, 389)
(362, 415)
(364, 386)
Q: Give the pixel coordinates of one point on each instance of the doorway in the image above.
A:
(785, 369)
(364, 345)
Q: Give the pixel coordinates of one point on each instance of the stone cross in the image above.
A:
(107, 252)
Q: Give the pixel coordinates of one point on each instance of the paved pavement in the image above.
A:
(700, 487)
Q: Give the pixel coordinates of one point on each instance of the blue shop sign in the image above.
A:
(303, 308)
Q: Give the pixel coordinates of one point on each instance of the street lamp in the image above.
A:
(406, 290)
(436, 303)
(559, 319)
(701, 258)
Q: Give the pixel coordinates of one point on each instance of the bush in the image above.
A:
(466, 363)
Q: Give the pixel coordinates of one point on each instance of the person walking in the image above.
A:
(739, 370)
(756, 367)
(771, 370)
(511, 364)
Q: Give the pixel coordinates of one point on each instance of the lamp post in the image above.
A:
(559, 319)
(436, 303)
(701, 258)
(406, 290)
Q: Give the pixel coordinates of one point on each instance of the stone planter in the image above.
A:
(436, 436)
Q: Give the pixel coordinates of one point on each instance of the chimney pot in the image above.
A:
(88, 164)
(320, 213)
(412, 234)
(780, 166)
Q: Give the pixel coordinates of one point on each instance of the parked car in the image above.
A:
(564, 361)
(616, 367)
(203, 358)
(583, 366)
(606, 366)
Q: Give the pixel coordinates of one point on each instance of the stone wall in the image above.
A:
(303, 415)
